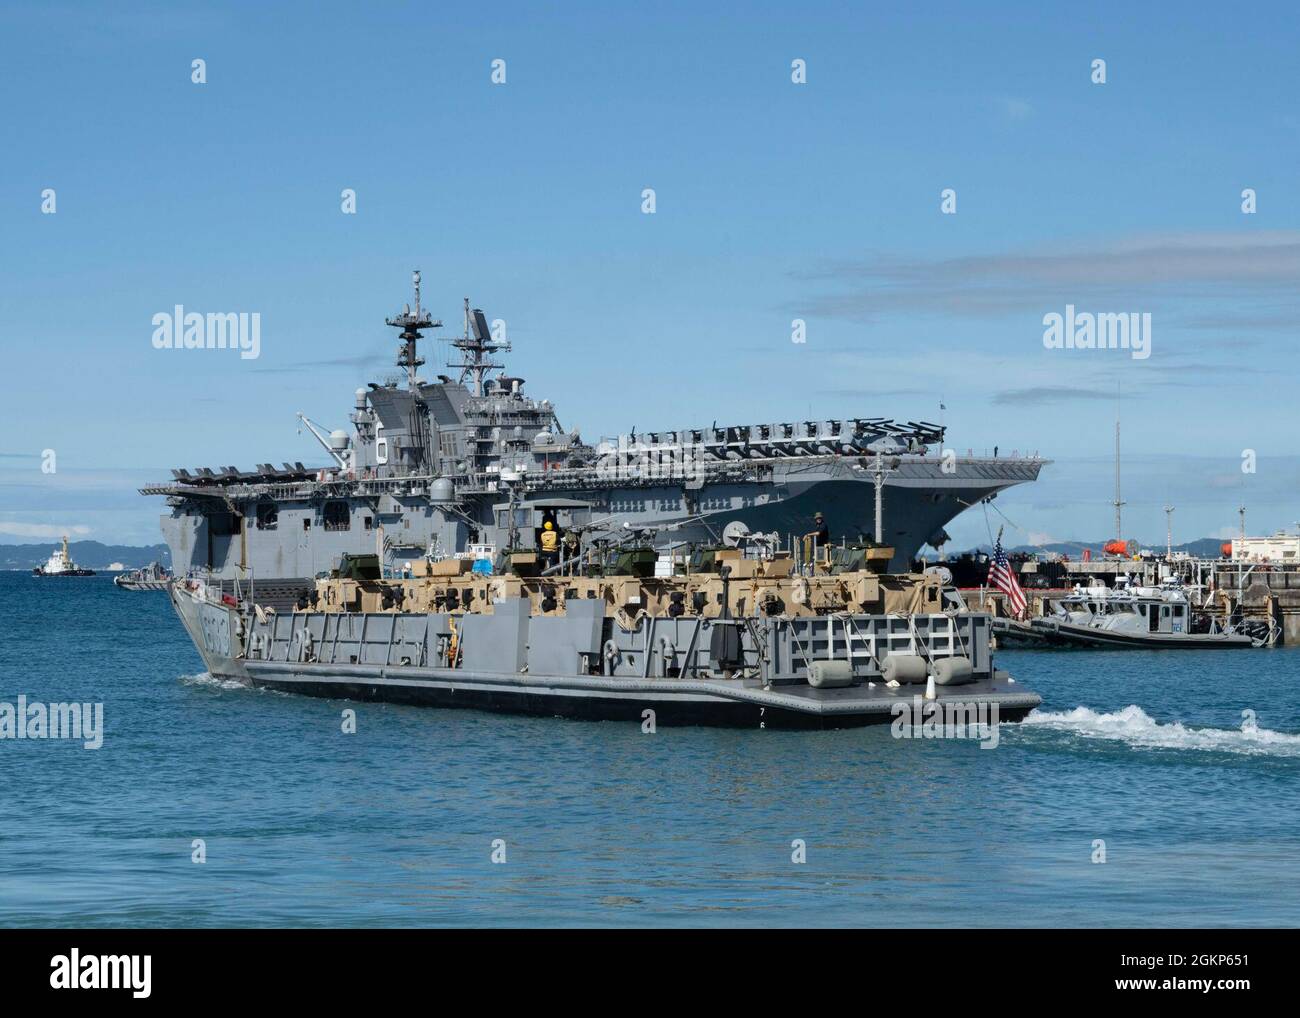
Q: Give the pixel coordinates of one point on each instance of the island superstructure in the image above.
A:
(432, 468)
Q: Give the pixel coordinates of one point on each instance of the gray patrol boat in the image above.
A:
(439, 467)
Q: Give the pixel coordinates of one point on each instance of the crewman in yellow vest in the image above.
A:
(550, 542)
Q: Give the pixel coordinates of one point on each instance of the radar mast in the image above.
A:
(411, 323)
(478, 346)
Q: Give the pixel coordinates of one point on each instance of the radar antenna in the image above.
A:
(478, 346)
(411, 322)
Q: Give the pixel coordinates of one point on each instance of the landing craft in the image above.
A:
(742, 636)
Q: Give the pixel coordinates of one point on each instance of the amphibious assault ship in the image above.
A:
(437, 468)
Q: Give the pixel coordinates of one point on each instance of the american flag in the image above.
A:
(1002, 576)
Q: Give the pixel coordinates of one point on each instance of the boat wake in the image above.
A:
(210, 682)
(1134, 726)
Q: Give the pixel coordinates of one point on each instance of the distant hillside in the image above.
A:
(87, 554)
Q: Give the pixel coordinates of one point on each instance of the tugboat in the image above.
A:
(154, 576)
(60, 564)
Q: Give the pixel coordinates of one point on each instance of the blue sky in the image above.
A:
(774, 201)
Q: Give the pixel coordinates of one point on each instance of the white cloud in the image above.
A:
(1243, 268)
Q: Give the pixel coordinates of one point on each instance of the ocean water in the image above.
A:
(1198, 805)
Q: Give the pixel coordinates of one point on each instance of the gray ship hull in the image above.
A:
(290, 662)
(919, 500)
(675, 702)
